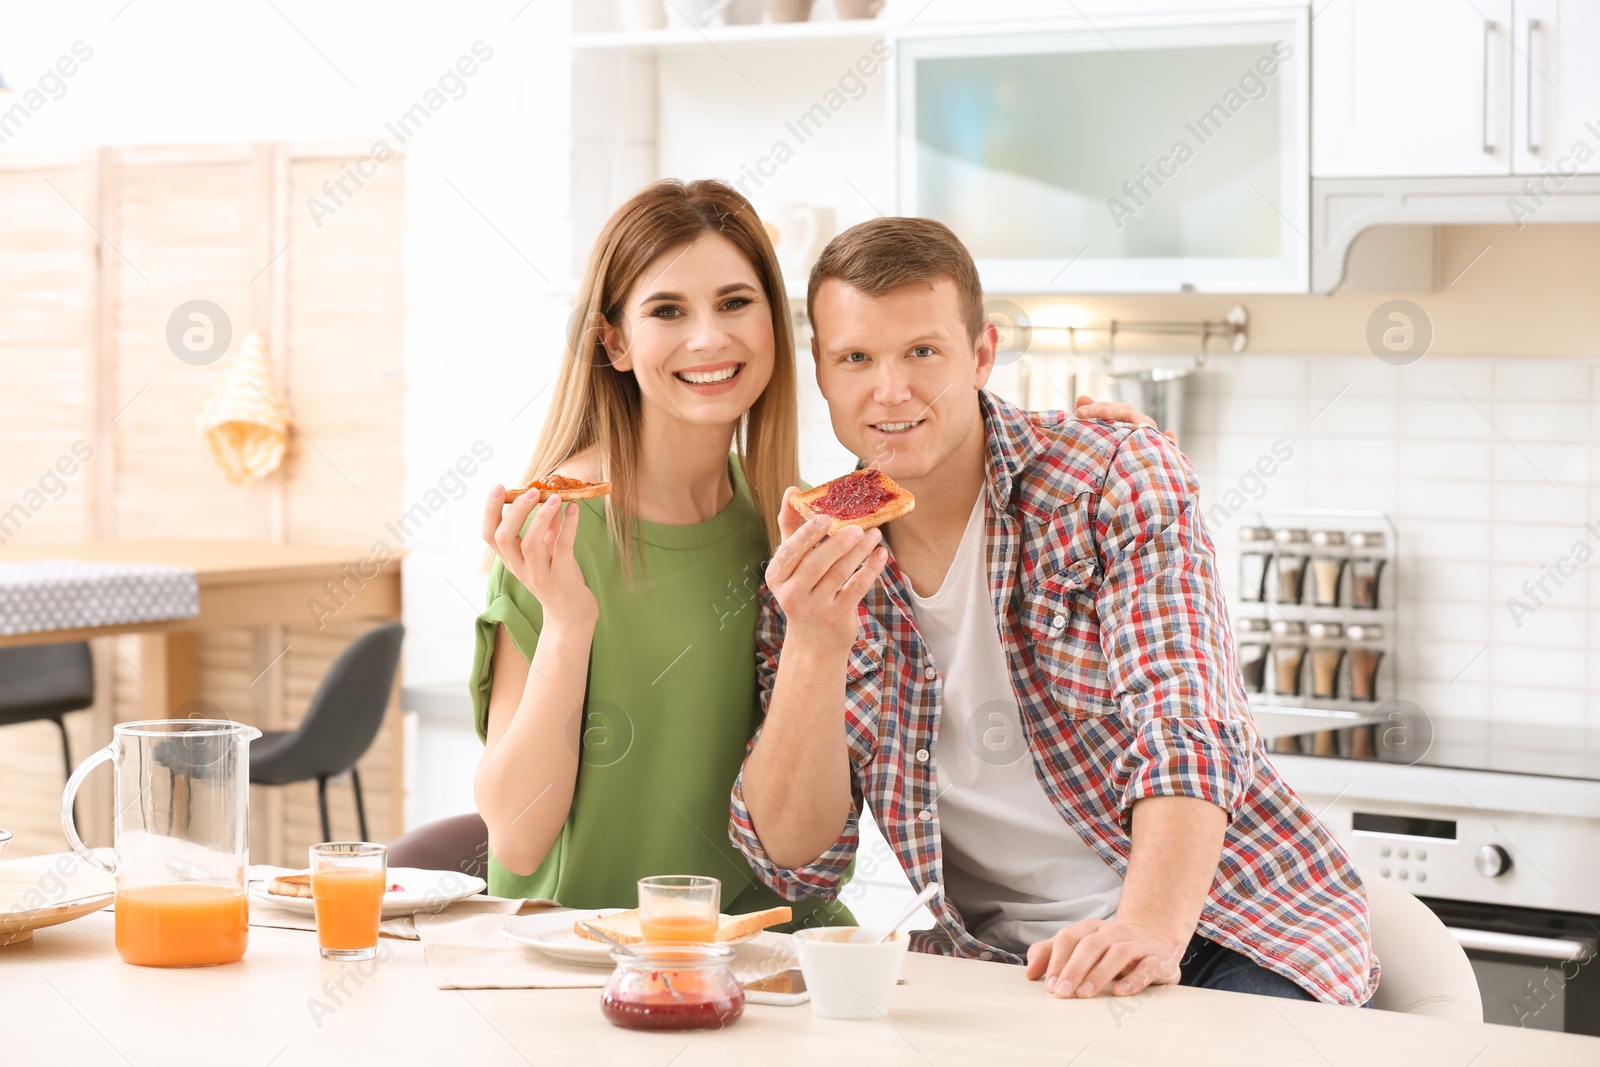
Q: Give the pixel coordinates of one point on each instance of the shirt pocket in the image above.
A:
(863, 692)
(1059, 617)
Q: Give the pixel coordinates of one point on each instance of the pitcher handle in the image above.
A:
(69, 825)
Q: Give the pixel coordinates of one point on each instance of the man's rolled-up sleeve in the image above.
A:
(821, 877)
(1165, 633)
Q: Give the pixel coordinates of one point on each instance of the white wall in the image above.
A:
(1491, 470)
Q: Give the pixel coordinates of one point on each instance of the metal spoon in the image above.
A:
(596, 932)
(900, 920)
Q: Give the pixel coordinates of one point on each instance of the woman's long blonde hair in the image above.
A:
(595, 403)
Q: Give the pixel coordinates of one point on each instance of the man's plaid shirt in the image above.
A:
(1110, 612)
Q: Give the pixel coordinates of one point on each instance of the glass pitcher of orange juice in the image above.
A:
(181, 838)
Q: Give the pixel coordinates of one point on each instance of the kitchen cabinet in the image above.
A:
(1157, 155)
(1436, 88)
(1419, 88)
(1556, 87)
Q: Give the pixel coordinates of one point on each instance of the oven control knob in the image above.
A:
(1492, 861)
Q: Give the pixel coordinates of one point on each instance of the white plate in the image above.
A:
(420, 891)
(553, 935)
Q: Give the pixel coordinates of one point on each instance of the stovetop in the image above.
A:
(1411, 738)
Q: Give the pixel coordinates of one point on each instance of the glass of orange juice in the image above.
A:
(679, 907)
(347, 883)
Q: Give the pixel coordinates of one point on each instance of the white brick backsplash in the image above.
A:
(1436, 379)
(1462, 447)
(1541, 667)
(1555, 625)
(1370, 494)
(1533, 461)
(1333, 456)
(1547, 420)
(1358, 376)
(1448, 661)
(1421, 620)
(1423, 499)
(1536, 544)
(1446, 419)
(1541, 380)
(1441, 700)
(1514, 704)
(1423, 539)
(1454, 460)
(1540, 503)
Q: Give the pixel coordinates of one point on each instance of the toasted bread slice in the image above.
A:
(864, 498)
(291, 885)
(565, 488)
(624, 926)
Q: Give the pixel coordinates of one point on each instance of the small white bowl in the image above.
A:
(848, 976)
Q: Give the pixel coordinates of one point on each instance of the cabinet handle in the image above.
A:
(1488, 33)
(1533, 142)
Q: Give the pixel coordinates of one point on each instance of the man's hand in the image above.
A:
(1087, 407)
(1089, 956)
(819, 580)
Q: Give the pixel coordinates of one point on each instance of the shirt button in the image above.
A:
(986, 955)
(924, 814)
(1059, 622)
(922, 755)
(929, 673)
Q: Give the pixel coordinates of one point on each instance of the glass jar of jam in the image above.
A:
(671, 985)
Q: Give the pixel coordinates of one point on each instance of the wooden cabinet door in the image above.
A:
(1411, 89)
(1556, 87)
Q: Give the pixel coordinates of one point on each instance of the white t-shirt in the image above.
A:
(1013, 866)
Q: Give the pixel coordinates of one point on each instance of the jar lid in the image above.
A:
(1365, 631)
(1291, 537)
(1255, 533)
(1289, 628)
(1328, 538)
(1325, 629)
(1252, 626)
(1366, 539)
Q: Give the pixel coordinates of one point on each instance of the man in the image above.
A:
(1040, 702)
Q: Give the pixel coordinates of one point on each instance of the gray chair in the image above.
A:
(44, 682)
(340, 725)
(1425, 970)
(459, 843)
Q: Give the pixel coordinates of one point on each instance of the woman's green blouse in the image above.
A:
(670, 708)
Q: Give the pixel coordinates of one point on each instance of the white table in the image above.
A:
(65, 997)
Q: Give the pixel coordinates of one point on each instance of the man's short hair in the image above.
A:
(885, 254)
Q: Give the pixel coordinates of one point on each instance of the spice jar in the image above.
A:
(1252, 638)
(1254, 559)
(1288, 655)
(1363, 661)
(1325, 657)
(1327, 567)
(673, 985)
(1289, 563)
(1365, 571)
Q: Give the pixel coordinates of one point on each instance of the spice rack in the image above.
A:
(1314, 622)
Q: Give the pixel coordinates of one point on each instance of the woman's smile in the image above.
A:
(712, 378)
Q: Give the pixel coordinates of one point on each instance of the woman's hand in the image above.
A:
(819, 580)
(542, 559)
(1090, 408)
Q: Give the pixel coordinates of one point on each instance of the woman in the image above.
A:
(610, 755)
(614, 675)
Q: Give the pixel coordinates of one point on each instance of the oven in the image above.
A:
(1500, 845)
